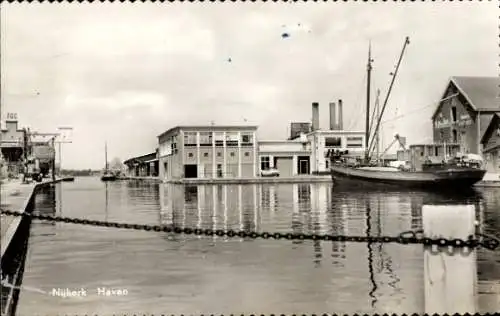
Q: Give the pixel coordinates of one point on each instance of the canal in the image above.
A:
(156, 272)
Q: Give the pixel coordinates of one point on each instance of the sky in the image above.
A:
(124, 73)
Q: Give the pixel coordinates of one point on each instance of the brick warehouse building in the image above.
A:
(467, 108)
(491, 145)
(208, 152)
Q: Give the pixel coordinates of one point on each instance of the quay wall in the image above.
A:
(252, 180)
(14, 245)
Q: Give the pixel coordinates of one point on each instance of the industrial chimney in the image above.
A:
(315, 116)
(340, 125)
(333, 121)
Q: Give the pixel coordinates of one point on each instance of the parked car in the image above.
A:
(270, 173)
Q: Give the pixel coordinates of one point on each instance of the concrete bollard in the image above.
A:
(450, 274)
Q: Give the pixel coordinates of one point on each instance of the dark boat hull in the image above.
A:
(108, 178)
(442, 179)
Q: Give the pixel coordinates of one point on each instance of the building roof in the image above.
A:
(209, 128)
(140, 159)
(494, 122)
(482, 93)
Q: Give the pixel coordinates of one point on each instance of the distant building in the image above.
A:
(208, 152)
(491, 144)
(467, 109)
(12, 144)
(143, 166)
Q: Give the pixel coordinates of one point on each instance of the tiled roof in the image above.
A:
(483, 93)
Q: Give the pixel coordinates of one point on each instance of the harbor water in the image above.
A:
(155, 272)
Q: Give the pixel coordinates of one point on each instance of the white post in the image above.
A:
(449, 274)
(198, 158)
(294, 167)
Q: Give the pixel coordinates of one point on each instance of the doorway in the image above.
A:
(303, 165)
(190, 171)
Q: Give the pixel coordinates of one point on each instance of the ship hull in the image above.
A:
(441, 179)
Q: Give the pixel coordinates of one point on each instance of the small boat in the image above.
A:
(107, 175)
(447, 173)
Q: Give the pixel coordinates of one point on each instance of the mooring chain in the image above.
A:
(408, 237)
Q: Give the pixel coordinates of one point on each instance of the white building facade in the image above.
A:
(290, 157)
(323, 140)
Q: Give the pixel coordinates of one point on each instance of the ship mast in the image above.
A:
(368, 79)
(106, 156)
(407, 41)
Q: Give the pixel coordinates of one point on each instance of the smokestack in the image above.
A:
(340, 125)
(315, 116)
(333, 121)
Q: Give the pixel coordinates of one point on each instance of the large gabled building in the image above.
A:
(491, 144)
(467, 108)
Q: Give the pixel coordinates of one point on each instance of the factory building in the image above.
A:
(334, 138)
(208, 152)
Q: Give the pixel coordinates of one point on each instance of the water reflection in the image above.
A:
(198, 274)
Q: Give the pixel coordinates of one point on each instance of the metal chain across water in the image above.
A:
(408, 237)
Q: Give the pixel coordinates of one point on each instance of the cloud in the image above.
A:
(126, 73)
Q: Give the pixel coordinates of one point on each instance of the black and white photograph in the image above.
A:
(249, 158)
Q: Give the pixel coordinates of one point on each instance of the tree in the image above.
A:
(116, 164)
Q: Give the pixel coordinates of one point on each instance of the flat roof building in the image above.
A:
(209, 151)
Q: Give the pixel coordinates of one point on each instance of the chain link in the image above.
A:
(408, 237)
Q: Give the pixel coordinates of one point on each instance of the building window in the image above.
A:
(206, 139)
(219, 139)
(246, 139)
(231, 139)
(333, 142)
(190, 139)
(455, 136)
(247, 154)
(219, 154)
(190, 155)
(205, 154)
(453, 113)
(354, 142)
(231, 154)
(264, 163)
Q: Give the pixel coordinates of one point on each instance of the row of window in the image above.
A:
(351, 142)
(232, 154)
(208, 138)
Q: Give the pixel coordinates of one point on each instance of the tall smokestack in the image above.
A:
(315, 117)
(333, 121)
(340, 125)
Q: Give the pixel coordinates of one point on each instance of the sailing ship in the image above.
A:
(448, 173)
(107, 175)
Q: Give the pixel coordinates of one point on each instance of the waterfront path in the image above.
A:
(15, 196)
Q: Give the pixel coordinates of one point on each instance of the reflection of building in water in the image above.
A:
(208, 206)
(337, 219)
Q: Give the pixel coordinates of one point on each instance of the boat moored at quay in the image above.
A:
(420, 165)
